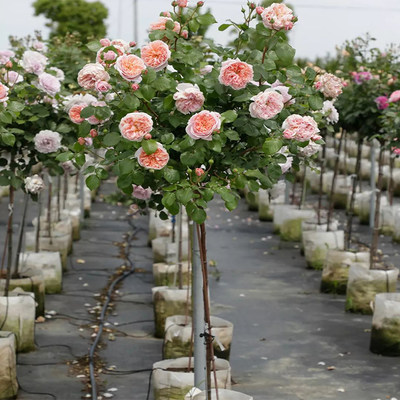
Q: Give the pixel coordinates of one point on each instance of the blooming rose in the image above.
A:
(47, 141)
(361, 77)
(329, 85)
(92, 119)
(156, 54)
(102, 86)
(39, 46)
(74, 113)
(5, 56)
(182, 3)
(120, 44)
(206, 69)
(300, 128)
(105, 42)
(311, 149)
(3, 93)
(188, 98)
(13, 77)
(59, 73)
(394, 97)
(284, 91)
(134, 126)
(235, 73)
(78, 99)
(278, 16)
(330, 111)
(382, 102)
(158, 160)
(90, 74)
(266, 104)
(203, 124)
(141, 193)
(34, 184)
(130, 67)
(49, 83)
(33, 62)
(159, 25)
(110, 55)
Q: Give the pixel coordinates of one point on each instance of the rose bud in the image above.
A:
(200, 3)
(147, 136)
(105, 42)
(199, 171)
(132, 43)
(93, 133)
(81, 141)
(135, 86)
(259, 10)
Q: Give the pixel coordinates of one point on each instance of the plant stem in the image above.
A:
(391, 182)
(180, 283)
(321, 182)
(335, 172)
(65, 190)
(58, 198)
(37, 236)
(9, 236)
(303, 188)
(49, 208)
(356, 178)
(20, 236)
(375, 234)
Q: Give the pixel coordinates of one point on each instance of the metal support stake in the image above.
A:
(200, 370)
(373, 187)
(82, 196)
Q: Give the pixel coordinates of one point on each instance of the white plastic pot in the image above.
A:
(169, 301)
(8, 368)
(336, 269)
(178, 335)
(222, 395)
(158, 227)
(18, 313)
(166, 251)
(168, 274)
(173, 378)
(365, 283)
(387, 219)
(362, 205)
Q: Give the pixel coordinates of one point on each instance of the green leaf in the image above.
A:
(168, 200)
(80, 159)
(184, 195)
(92, 182)
(206, 19)
(148, 92)
(171, 175)
(207, 194)
(94, 45)
(194, 25)
(285, 53)
(6, 117)
(188, 159)
(199, 215)
(310, 74)
(132, 102)
(111, 139)
(170, 25)
(126, 166)
(169, 102)
(223, 27)
(87, 112)
(15, 106)
(124, 181)
(101, 173)
(84, 128)
(63, 157)
(232, 135)
(162, 83)
(229, 116)
(8, 138)
(167, 138)
(272, 146)
(150, 76)
(149, 146)
(315, 102)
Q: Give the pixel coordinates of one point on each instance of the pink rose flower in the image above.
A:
(235, 73)
(69, 167)
(394, 97)
(102, 86)
(188, 98)
(120, 44)
(92, 119)
(361, 77)
(159, 25)
(12, 77)
(158, 160)
(185, 34)
(3, 93)
(330, 111)
(286, 165)
(278, 16)
(105, 42)
(102, 56)
(259, 10)
(299, 128)
(203, 124)
(134, 126)
(284, 91)
(33, 62)
(166, 14)
(156, 55)
(74, 113)
(182, 3)
(59, 74)
(130, 67)
(396, 150)
(206, 69)
(47, 141)
(311, 149)
(78, 99)
(141, 193)
(5, 56)
(266, 104)
(90, 74)
(382, 102)
(329, 85)
(39, 46)
(88, 141)
(49, 84)
(199, 171)
(34, 184)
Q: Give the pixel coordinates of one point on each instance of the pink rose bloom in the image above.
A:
(330, 111)
(396, 150)
(299, 128)
(185, 34)
(278, 16)
(329, 85)
(130, 67)
(33, 62)
(182, 3)
(235, 73)
(158, 160)
(92, 119)
(203, 124)
(88, 141)
(259, 10)
(311, 149)
(105, 42)
(159, 25)
(134, 126)
(3, 93)
(141, 193)
(206, 69)
(74, 113)
(120, 44)
(39, 46)
(284, 91)
(69, 167)
(13, 77)
(156, 54)
(59, 74)
(34, 184)
(266, 104)
(103, 56)
(286, 165)
(5, 56)
(188, 98)
(394, 97)
(361, 77)
(49, 84)
(78, 99)
(47, 141)
(90, 74)
(102, 86)
(382, 102)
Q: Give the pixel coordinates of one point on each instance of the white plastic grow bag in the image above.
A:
(8, 368)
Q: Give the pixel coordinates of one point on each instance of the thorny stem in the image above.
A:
(303, 188)
(20, 236)
(321, 182)
(9, 236)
